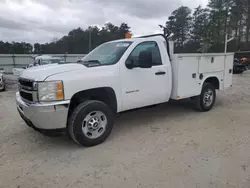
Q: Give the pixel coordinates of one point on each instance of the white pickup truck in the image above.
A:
(82, 99)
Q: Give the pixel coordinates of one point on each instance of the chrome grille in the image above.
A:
(26, 96)
(26, 84)
(26, 90)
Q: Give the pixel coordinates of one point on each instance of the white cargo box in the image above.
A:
(191, 70)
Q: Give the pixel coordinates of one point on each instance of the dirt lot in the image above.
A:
(164, 146)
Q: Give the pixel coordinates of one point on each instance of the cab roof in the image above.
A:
(141, 39)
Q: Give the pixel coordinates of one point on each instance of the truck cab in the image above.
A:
(83, 98)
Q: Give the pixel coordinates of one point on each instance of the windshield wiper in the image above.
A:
(91, 63)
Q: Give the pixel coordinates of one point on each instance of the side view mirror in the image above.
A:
(129, 64)
(145, 59)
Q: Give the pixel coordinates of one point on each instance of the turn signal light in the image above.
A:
(60, 95)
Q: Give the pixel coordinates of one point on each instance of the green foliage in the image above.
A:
(15, 47)
(200, 25)
(210, 26)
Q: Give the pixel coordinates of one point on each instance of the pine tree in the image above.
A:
(199, 25)
(180, 23)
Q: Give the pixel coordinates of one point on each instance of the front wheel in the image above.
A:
(90, 123)
(205, 101)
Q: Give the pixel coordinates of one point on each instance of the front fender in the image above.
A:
(92, 78)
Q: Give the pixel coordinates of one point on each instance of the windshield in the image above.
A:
(106, 54)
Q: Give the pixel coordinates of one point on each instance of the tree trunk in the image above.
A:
(240, 35)
(248, 21)
(226, 24)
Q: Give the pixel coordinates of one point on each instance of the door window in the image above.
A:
(146, 46)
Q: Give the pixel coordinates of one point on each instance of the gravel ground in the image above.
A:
(163, 146)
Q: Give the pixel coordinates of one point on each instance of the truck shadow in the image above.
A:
(152, 115)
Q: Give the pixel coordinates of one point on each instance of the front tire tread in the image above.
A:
(72, 123)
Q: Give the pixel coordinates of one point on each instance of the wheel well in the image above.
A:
(104, 94)
(214, 81)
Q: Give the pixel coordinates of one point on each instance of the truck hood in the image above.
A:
(40, 73)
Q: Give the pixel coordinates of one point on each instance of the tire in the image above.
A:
(200, 103)
(80, 128)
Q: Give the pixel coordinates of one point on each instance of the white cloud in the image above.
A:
(42, 20)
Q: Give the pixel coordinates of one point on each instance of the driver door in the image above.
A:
(144, 86)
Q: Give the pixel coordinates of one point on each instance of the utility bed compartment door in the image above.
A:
(185, 77)
(188, 84)
(210, 63)
(228, 72)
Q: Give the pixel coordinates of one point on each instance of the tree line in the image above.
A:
(76, 42)
(205, 29)
(200, 30)
(15, 48)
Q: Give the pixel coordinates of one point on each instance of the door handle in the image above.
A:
(160, 73)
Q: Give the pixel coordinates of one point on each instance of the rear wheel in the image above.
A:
(205, 101)
(90, 123)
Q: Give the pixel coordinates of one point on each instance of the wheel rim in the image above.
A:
(94, 124)
(208, 98)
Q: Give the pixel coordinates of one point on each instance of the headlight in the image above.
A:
(50, 91)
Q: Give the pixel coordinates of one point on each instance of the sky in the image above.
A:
(43, 20)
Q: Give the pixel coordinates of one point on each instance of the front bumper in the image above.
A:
(46, 116)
